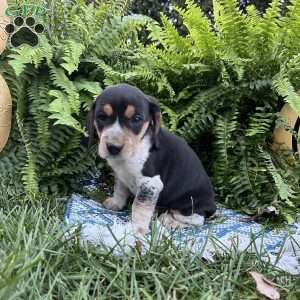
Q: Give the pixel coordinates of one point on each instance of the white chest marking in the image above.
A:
(129, 170)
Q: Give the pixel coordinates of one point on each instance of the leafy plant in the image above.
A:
(154, 8)
(53, 86)
(227, 78)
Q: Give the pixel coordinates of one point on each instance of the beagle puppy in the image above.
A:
(157, 167)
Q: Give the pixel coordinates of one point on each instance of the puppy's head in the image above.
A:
(120, 118)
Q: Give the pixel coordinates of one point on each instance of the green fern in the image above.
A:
(243, 189)
(260, 125)
(284, 190)
(39, 101)
(291, 23)
(24, 55)
(231, 27)
(285, 89)
(225, 128)
(224, 80)
(54, 84)
(241, 61)
(72, 52)
(29, 170)
(200, 30)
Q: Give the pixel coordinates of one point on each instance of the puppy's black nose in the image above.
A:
(114, 149)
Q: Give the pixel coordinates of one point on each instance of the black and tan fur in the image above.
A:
(156, 166)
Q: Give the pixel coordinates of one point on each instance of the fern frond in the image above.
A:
(73, 144)
(200, 30)
(231, 27)
(242, 187)
(115, 31)
(285, 89)
(25, 54)
(75, 164)
(171, 39)
(200, 114)
(173, 117)
(72, 52)
(39, 102)
(119, 7)
(61, 110)
(260, 125)
(291, 24)
(284, 190)
(29, 170)
(88, 86)
(269, 29)
(60, 80)
(225, 128)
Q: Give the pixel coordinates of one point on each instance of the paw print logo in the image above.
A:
(24, 31)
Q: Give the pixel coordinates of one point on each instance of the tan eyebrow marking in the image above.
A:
(108, 109)
(130, 111)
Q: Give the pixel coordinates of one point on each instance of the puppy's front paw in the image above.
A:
(112, 204)
(151, 183)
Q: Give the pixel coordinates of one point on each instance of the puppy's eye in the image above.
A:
(102, 117)
(137, 118)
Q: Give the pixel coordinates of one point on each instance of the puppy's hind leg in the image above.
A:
(120, 196)
(174, 219)
(144, 203)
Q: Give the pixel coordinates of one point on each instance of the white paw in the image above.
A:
(157, 183)
(153, 182)
(193, 220)
(112, 204)
(177, 220)
(167, 220)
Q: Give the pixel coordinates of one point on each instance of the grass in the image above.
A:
(36, 262)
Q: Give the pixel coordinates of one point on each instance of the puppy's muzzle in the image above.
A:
(113, 149)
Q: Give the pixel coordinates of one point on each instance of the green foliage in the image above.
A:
(53, 86)
(38, 261)
(227, 78)
(154, 7)
(248, 174)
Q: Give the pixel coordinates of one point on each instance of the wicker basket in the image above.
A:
(284, 139)
(3, 21)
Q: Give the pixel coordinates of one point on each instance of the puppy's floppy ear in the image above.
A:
(156, 119)
(90, 125)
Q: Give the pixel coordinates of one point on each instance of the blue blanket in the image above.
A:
(229, 229)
